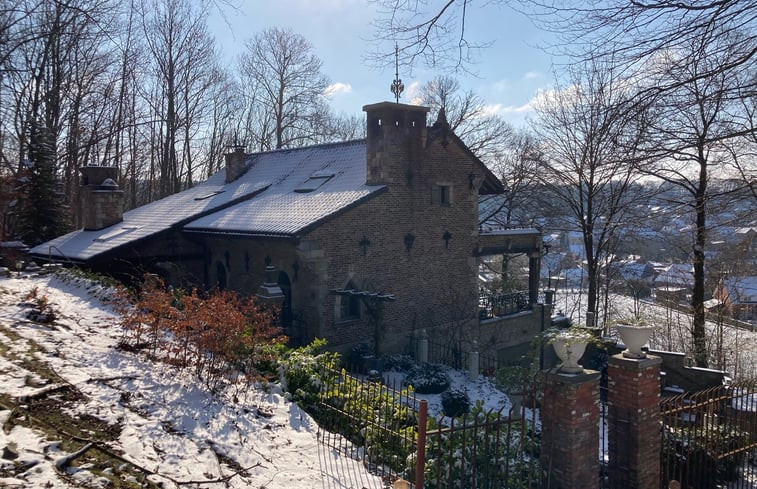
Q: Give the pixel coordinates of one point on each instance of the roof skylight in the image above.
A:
(116, 233)
(207, 196)
(314, 182)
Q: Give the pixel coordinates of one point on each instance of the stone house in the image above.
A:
(369, 240)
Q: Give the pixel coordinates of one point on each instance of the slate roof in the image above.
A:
(263, 201)
(335, 173)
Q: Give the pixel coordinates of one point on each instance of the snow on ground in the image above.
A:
(162, 418)
(482, 389)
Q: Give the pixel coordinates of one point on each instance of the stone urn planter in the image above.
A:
(569, 352)
(634, 337)
(570, 345)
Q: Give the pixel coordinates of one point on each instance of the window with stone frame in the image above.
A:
(441, 194)
(349, 305)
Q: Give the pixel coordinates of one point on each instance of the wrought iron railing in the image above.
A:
(498, 305)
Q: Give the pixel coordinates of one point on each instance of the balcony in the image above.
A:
(498, 305)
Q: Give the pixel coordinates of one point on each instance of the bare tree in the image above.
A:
(286, 77)
(486, 134)
(696, 125)
(516, 165)
(435, 32)
(183, 53)
(588, 130)
(430, 32)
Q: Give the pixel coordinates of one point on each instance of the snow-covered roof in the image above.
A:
(489, 231)
(677, 274)
(281, 193)
(309, 184)
(634, 271)
(741, 290)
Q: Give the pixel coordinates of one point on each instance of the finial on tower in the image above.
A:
(397, 86)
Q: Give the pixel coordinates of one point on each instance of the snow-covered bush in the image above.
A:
(428, 378)
(455, 402)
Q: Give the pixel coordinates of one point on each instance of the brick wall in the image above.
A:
(570, 414)
(634, 415)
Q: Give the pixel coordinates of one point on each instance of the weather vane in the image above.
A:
(397, 86)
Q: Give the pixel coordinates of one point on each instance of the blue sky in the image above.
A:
(510, 72)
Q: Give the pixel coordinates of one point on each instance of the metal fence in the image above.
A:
(453, 355)
(709, 438)
(389, 429)
(486, 450)
(497, 305)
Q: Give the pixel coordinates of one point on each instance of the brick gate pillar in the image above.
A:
(634, 422)
(570, 430)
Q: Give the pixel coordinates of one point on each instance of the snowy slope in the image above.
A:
(163, 420)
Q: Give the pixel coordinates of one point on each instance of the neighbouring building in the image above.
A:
(674, 283)
(371, 240)
(738, 296)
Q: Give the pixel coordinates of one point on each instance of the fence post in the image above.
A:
(633, 396)
(422, 350)
(570, 417)
(473, 363)
(420, 456)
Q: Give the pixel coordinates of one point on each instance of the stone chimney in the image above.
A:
(235, 163)
(102, 203)
(396, 136)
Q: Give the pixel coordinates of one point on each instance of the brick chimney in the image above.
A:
(235, 163)
(102, 203)
(396, 136)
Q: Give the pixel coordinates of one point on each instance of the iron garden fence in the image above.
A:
(709, 438)
(388, 428)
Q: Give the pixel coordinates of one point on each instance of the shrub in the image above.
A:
(478, 456)
(303, 372)
(399, 363)
(455, 403)
(219, 334)
(428, 378)
(691, 451)
(512, 379)
(42, 311)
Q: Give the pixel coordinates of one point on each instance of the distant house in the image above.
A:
(637, 277)
(368, 240)
(738, 295)
(674, 283)
(573, 242)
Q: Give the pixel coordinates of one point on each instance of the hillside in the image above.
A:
(77, 412)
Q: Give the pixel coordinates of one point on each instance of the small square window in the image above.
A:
(441, 195)
(445, 195)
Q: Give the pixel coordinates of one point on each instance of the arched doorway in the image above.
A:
(220, 276)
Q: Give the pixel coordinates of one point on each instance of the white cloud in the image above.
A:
(413, 93)
(337, 88)
(501, 109)
(531, 75)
